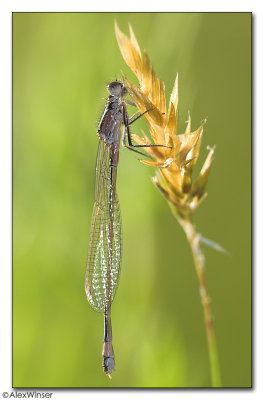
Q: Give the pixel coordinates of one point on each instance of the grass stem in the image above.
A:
(198, 257)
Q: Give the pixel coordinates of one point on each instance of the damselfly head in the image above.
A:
(116, 88)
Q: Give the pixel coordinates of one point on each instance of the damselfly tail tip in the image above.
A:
(108, 359)
(108, 365)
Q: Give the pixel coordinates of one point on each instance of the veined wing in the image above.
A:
(104, 252)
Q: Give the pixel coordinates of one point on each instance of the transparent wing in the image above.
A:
(104, 252)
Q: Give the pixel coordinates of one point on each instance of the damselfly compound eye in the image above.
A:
(124, 90)
(115, 88)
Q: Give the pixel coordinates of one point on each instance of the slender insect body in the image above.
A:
(105, 242)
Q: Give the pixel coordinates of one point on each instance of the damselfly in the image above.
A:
(105, 243)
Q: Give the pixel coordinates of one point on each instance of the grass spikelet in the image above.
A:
(174, 165)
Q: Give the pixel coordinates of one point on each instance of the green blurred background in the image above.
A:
(61, 65)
